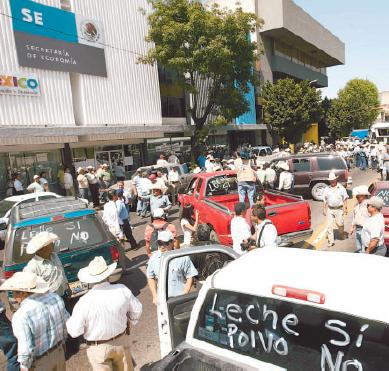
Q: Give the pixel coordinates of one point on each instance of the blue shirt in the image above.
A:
(180, 269)
(122, 211)
(162, 202)
(201, 161)
(39, 325)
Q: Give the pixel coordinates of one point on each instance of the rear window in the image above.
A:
(384, 194)
(73, 234)
(221, 185)
(293, 336)
(330, 163)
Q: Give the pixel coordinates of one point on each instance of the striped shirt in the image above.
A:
(39, 325)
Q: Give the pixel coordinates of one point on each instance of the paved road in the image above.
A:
(144, 336)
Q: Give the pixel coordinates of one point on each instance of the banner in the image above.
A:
(17, 84)
(54, 39)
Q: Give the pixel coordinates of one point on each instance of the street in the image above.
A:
(144, 336)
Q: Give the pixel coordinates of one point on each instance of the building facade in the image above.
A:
(296, 46)
(79, 118)
(383, 115)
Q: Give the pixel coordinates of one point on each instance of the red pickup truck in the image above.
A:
(215, 194)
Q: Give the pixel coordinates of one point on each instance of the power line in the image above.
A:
(75, 35)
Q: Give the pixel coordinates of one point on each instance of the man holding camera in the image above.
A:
(266, 232)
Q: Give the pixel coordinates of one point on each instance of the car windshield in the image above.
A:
(221, 185)
(384, 194)
(331, 163)
(73, 234)
(5, 206)
(291, 335)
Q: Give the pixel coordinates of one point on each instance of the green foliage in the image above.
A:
(290, 107)
(207, 46)
(356, 107)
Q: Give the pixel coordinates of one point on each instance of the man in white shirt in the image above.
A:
(173, 159)
(111, 215)
(174, 182)
(210, 164)
(270, 176)
(68, 182)
(18, 185)
(286, 177)
(162, 161)
(240, 230)
(35, 186)
(103, 316)
(143, 188)
(261, 174)
(335, 207)
(266, 232)
(93, 185)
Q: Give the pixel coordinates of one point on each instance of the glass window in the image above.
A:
(384, 194)
(330, 163)
(73, 234)
(302, 164)
(221, 185)
(5, 206)
(291, 335)
(198, 188)
(191, 187)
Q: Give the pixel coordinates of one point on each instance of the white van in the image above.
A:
(276, 309)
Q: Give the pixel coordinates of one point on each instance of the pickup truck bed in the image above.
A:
(214, 196)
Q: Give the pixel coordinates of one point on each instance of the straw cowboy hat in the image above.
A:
(361, 191)
(332, 176)
(39, 241)
(25, 282)
(96, 271)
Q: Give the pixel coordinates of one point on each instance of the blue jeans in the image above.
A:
(358, 240)
(8, 343)
(246, 188)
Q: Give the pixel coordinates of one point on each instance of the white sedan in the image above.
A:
(8, 203)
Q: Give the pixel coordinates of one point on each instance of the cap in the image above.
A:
(376, 202)
(165, 236)
(158, 213)
(36, 177)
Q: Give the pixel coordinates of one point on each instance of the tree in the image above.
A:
(211, 52)
(290, 107)
(356, 107)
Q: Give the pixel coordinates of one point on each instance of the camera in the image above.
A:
(246, 245)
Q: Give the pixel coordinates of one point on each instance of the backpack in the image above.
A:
(154, 236)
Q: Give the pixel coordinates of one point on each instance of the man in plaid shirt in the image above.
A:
(38, 324)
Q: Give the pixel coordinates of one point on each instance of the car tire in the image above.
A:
(317, 191)
(213, 237)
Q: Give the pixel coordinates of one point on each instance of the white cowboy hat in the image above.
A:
(361, 191)
(25, 282)
(96, 271)
(79, 169)
(332, 176)
(197, 170)
(283, 165)
(165, 236)
(376, 202)
(156, 186)
(39, 241)
(158, 213)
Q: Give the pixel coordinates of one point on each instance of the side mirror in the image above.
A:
(3, 226)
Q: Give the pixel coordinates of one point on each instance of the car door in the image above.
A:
(302, 172)
(174, 311)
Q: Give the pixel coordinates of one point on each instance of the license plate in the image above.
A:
(77, 287)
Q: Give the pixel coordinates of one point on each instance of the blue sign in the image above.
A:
(54, 39)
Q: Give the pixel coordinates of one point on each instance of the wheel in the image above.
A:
(214, 237)
(317, 191)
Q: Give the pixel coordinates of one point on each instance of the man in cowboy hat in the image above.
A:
(158, 199)
(286, 177)
(93, 185)
(181, 270)
(102, 316)
(45, 262)
(335, 207)
(360, 215)
(38, 324)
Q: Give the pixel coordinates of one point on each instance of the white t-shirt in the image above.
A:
(68, 180)
(286, 181)
(187, 233)
(270, 175)
(374, 227)
(240, 231)
(269, 234)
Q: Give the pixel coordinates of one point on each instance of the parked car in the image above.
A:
(275, 309)
(8, 203)
(82, 236)
(261, 150)
(311, 172)
(215, 194)
(381, 189)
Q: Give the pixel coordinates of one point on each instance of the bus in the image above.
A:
(380, 132)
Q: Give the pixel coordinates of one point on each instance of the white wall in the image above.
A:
(130, 95)
(54, 106)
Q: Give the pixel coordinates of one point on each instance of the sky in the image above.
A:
(364, 28)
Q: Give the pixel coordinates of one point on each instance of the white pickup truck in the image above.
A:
(276, 309)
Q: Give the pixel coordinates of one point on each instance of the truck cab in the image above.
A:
(276, 309)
